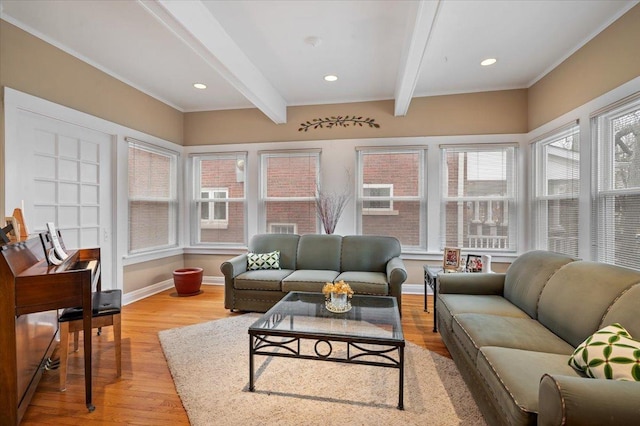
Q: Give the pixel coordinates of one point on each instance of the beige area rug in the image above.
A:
(210, 367)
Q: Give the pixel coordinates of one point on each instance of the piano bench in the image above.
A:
(107, 306)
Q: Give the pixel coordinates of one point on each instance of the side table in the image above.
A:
(430, 279)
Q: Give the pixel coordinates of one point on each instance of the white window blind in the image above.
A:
(479, 197)
(556, 187)
(616, 208)
(392, 195)
(153, 200)
(218, 207)
(289, 183)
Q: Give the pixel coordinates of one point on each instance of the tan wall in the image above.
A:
(30, 65)
(606, 62)
(498, 112)
(142, 275)
(33, 66)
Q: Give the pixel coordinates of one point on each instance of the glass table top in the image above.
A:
(374, 317)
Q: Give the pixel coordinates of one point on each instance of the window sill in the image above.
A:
(149, 256)
(380, 212)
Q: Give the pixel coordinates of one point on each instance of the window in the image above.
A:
(153, 201)
(391, 197)
(479, 197)
(372, 191)
(556, 186)
(214, 214)
(289, 183)
(617, 201)
(219, 203)
(283, 228)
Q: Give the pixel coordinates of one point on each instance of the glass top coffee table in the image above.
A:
(371, 333)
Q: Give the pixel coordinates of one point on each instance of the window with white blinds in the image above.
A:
(479, 187)
(219, 207)
(288, 187)
(153, 200)
(616, 207)
(392, 195)
(556, 187)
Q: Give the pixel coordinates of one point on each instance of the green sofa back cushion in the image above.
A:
(368, 253)
(576, 299)
(319, 252)
(527, 276)
(286, 244)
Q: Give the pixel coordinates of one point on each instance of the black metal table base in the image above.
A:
(385, 354)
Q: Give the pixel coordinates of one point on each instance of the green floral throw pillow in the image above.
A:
(609, 353)
(263, 260)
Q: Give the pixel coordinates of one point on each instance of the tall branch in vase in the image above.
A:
(329, 208)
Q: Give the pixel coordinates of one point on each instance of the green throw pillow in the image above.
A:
(263, 260)
(609, 353)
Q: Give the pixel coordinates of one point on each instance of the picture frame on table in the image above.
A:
(451, 260)
(474, 263)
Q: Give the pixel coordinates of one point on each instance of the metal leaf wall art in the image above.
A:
(342, 121)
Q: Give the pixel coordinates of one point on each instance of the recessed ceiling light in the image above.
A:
(330, 77)
(488, 61)
(200, 86)
(313, 41)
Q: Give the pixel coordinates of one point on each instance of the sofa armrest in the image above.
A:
(565, 400)
(234, 266)
(396, 275)
(231, 269)
(396, 272)
(471, 283)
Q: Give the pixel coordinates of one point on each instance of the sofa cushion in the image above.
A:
(367, 253)
(513, 375)
(263, 279)
(527, 276)
(625, 311)
(319, 252)
(263, 260)
(450, 305)
(578, 296)
(286, 244)
(609, 353)
(308, 280)
(475, 331)
(366, 282)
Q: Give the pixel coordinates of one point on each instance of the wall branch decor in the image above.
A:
(346, 121)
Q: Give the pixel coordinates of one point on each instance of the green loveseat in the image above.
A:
(512, 334)
(369, 264)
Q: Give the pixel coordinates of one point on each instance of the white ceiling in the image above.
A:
(254, 53)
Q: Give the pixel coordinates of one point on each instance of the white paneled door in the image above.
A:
(61, 173)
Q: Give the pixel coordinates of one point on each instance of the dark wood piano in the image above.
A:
(31, 292)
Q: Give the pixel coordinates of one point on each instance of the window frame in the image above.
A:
(172, 201)
(196, 225)
(264, 226)
(540, 196)
(605, 192)
(511, 200)
(377, 198)
(421, 198)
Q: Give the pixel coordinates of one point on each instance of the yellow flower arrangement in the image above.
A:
(339, 287)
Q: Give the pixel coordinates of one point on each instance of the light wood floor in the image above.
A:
(145, 394)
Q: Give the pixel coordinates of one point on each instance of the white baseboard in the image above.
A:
(143, 293)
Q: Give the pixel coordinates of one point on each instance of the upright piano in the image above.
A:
(31, 292)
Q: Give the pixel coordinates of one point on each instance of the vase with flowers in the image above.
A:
(337, 295)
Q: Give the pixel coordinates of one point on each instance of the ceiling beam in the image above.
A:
(415, 48)
(192, 22)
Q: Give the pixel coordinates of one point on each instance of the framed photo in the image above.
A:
(451, 261)
(474, 263)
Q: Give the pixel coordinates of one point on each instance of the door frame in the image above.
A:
(16, 101)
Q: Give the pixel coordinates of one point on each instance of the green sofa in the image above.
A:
(512, 334)
(370, 264)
